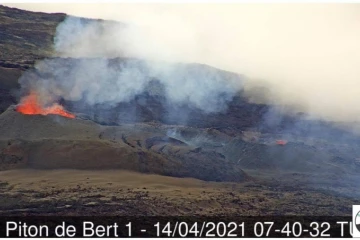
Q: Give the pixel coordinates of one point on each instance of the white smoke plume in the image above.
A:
(307, 54)
(108, 81)
(96, 78)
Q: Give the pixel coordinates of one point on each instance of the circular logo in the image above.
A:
(357, 221)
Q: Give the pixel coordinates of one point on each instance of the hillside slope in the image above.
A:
(26, 36)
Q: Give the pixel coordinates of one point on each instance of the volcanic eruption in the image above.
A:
(30, 105)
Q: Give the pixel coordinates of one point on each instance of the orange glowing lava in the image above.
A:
(30, 105)
(281, 142)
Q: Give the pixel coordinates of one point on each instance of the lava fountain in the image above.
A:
(30, 105)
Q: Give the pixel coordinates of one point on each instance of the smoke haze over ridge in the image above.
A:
(308, 54)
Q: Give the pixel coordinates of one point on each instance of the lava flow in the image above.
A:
(30, 105)
(281, 142)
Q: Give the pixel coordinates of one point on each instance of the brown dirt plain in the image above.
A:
(116, 192)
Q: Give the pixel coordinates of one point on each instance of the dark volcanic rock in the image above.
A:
(53, 142)
(292, 157)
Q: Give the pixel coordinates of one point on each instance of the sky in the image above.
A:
(306, 54)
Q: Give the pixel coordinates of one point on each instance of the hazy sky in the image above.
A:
(309, 54)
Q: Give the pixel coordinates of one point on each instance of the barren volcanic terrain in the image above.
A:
(150, 156)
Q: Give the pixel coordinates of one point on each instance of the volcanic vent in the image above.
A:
(31, 105)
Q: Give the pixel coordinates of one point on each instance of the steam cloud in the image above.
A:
(96, 79)
(306, 55)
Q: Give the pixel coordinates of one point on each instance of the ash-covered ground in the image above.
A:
(153, 154)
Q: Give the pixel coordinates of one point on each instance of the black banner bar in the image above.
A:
(143, 226)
